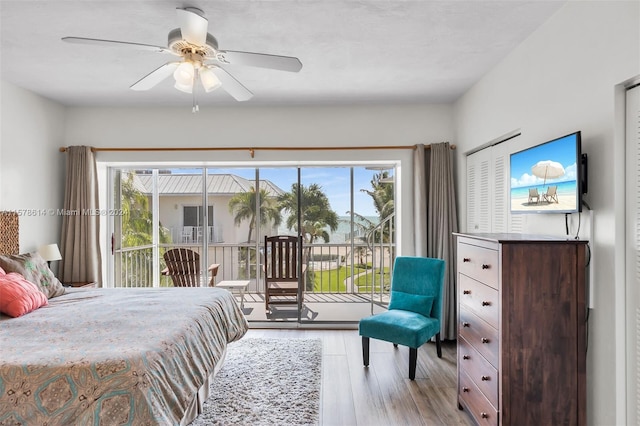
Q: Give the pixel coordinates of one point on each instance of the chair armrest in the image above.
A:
(165, 271)
(213, 268)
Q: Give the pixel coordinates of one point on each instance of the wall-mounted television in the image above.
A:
(550, 177)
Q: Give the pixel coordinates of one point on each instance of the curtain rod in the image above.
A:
(252, 150)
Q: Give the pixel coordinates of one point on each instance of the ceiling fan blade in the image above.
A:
(83, 40)
(193, 25)
(282, 63)
(231, 85)
(155, 76)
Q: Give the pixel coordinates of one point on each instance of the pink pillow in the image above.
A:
(19, 296)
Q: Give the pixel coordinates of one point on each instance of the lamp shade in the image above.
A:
(50, 252)
(186, 88)
(184, 73)
(209, 80)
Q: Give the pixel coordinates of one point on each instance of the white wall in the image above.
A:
(31, 168)
(247, 126)
(562, 79)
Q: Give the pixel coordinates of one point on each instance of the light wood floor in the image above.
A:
(381, 394)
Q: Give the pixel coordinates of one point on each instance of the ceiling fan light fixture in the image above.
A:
(184, 73)
(186, 88)
(209, 80)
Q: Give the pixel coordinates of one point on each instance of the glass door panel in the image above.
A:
(182, 219)
(232, 224)
(278, 215)
(133, 239)
(374, 238)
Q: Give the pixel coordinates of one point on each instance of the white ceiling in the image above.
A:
(381, 51)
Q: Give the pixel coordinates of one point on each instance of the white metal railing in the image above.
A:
(381, 241)
(354, 268)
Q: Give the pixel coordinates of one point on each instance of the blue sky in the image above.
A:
(333, 180)
(561, 150)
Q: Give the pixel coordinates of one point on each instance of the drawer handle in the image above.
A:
(465, 357)
(466, 259)
(484, 415)
(485, 378)
(486, 303)
(465, 324)
(465, 389)
(485, 266)
(466, 291)
(484, 340)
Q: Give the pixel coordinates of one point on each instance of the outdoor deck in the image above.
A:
(317, 308)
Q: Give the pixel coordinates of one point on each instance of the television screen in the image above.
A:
(547, 178)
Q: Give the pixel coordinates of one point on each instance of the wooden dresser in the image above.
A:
(521, 329)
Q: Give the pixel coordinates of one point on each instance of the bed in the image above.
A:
(115, 356)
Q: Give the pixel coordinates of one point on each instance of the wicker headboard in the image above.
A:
(9, 233)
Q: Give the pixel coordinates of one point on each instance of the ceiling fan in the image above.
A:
(201, 59)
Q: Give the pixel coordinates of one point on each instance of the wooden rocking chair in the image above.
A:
(281, 277)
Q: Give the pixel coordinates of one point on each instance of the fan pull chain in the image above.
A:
(195, 108)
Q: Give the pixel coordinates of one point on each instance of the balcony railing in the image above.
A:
(362, 266)
(354, 268)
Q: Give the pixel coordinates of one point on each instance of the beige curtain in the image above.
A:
(436, 219)
(81, 226)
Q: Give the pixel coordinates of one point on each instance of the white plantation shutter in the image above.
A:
(633, 253)
(478, 192)
(471, 194)
(487, 190)
(485, 197)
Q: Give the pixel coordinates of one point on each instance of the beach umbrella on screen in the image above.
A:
(547, 169)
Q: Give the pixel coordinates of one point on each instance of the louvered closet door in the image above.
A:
(500, 199)
(478, 191)
(633, 254)
(487, 190)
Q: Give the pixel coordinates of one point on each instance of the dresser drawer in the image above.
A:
(479, 263)
(480, 335)
(483, 374)
(480, 408)
(481, 299)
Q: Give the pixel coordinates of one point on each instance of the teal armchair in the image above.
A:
(415, 309)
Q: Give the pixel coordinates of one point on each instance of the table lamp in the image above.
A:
(50, 252)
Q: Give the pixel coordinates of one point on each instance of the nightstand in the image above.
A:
(86, 284)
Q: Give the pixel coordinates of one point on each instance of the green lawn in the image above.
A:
(332, 280)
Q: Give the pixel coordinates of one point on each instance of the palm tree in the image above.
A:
(137, 230)
(316, 216)
(137, 218)
(243, 207)
(315, 212)
(382, 195)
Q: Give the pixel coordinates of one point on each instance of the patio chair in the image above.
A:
(187, 234)
(183, 266)
(281, 278)
(533, 193)
(551, 196)
(415, 309)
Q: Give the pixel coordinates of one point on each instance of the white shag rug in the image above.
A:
(266, 382)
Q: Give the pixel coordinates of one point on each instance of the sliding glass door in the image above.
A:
(345, 216)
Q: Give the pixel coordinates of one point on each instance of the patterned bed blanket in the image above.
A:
(114, 356)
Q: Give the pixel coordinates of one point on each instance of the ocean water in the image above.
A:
(341, 234)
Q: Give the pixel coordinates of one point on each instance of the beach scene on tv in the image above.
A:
(544, 177)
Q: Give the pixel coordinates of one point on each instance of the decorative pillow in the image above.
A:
(18, 296)
(411, 302)
(34, 269)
